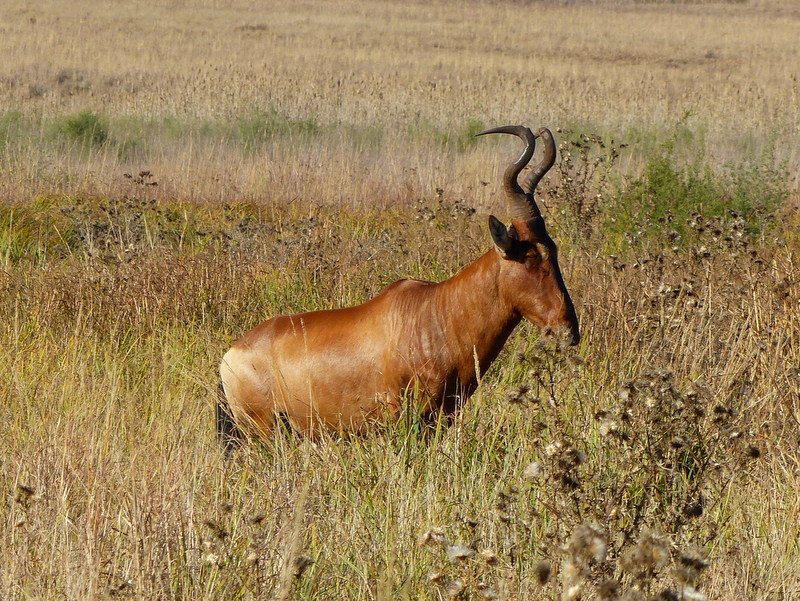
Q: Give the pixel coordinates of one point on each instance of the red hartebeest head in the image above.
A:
(345, 368)
(532, 277)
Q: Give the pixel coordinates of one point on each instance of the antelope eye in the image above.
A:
(538, 253)
(532, 259)
(544, 252)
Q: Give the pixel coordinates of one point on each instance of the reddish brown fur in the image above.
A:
(344, 368)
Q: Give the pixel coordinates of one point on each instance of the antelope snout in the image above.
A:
(574, 336)
(566, 333)
(563, 324)
(567, 322)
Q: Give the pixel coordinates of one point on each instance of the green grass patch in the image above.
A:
(458, 138)
(252, 131)
(35, 232)
(10, 125)
(87, 129)
(678, 199)
(671, 200)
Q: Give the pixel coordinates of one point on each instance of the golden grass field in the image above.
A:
(383, 81)
(306, 156)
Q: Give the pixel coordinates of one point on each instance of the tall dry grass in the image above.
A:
(380, 83)
(667, 443)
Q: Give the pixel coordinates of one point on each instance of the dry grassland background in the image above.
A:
(181, 87)
(172, 173)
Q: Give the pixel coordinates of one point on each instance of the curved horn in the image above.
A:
(549, 159)
(522, 205)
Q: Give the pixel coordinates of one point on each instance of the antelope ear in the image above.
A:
(503, 239)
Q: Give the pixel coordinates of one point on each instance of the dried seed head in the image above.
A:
(608, 589)
(677, 442)
(454, 588)
(571, 572)
(124, 587)
(25, 495)
(690, 593)
(649, 555)
(694, 509)
(572, 458)
(487, 592)
(608, 426)
(572, 593)
(690, 566)
(587, 543)
(543, 571)
(434, 535)
(533, 470)
(435, 577)
(456, 553)
(694, 559)
(553, 448)
(656, 549)
(753, 452)
(631, 560)
(300, 565)
(216, 529)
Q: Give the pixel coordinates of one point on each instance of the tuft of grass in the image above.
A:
(35, 233)
(464, 137)
(672, 199)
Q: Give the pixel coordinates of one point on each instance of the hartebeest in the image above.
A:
(344, 368)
